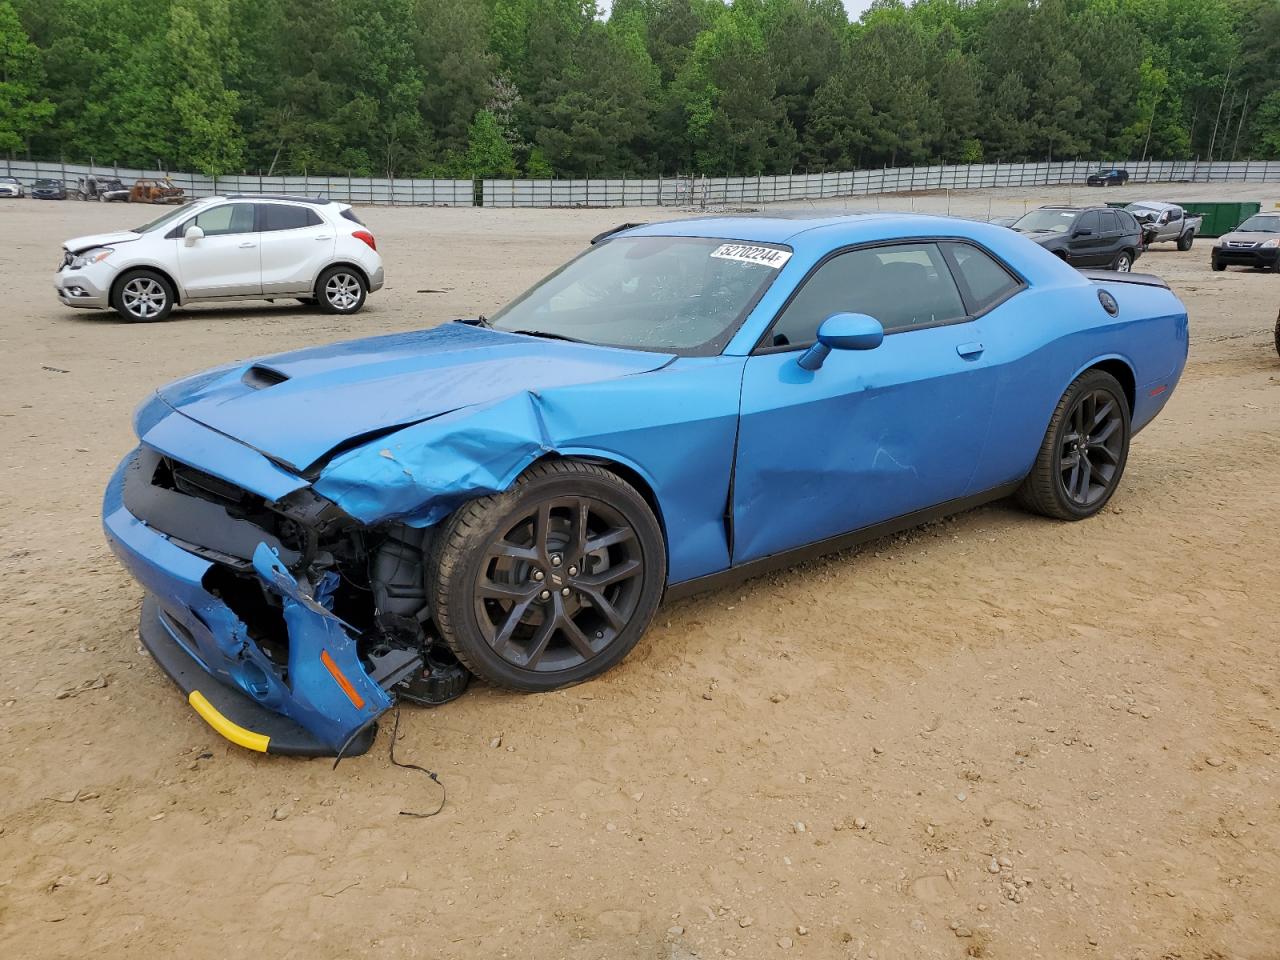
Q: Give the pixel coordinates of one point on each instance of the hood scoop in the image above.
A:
(259, 377)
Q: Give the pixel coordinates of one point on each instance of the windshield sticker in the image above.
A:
(766, 256)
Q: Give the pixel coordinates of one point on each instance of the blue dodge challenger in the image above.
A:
(320, 533)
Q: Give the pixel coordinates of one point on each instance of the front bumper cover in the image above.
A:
(322, 704)
(86, 288)
(1247, 256)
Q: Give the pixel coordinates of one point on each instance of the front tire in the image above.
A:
(341, 290)
(142, 296)
(1085, 448)
(551, 582)
(1218, 267)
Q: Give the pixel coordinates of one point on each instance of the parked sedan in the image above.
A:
(1086, 236)
(1255, 243)
(1114, 177)
(11, 187)
(683, 405)
(45, 189)
(225, 248)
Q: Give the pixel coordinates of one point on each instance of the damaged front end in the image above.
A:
(311, 621)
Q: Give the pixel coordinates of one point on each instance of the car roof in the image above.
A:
(317, 201)
(762, 228)
(1077, 208)
(1156, 204)
(819, 233)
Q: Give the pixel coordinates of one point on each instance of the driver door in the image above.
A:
(870, 435)
(226, 261)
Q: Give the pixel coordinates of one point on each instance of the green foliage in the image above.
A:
(488, 152)
(21, 73)
(404, 87)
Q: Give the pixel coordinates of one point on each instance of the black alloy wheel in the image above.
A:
(1084, 451)
(551, 582)
(560, 585)
(1092, 448)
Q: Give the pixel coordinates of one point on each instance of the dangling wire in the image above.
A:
(395, 735)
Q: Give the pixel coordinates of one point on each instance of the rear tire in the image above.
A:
(142, 296)
(1185, 241)
(551, 582)
(341, 290)
(1084, 451)
(1123, 262)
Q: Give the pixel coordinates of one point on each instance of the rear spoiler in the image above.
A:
(1114, 276)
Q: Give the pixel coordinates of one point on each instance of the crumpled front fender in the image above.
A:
(423, 473)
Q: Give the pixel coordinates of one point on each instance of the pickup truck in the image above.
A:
(1161, 221)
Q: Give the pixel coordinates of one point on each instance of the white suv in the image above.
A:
(225, 248)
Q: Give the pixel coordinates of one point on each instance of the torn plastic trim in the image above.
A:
(322, 653)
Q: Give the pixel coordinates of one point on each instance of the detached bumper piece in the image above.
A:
(229, 712)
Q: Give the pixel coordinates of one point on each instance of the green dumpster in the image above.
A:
(1220, 218)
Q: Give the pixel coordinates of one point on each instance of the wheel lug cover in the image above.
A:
(555, 559)
(565, 592)
(545, 595)
(538, 575)
(573, 571)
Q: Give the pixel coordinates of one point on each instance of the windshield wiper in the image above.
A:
(547, 336)
(477, 321)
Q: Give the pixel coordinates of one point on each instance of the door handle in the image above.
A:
(970, 351)
(247, 244)
(324, 238)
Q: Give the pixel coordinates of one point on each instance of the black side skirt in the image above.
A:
(843, 541)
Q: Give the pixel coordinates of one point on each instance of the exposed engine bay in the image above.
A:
(373, 580)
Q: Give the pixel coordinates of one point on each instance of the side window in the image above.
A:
(1089, 220)
(1110, 222)
(221, 221)
(903, 286)
(279, 216)
(986, 281)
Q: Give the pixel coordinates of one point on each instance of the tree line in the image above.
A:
(540, 88)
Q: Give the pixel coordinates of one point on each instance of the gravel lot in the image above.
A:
(996, 736)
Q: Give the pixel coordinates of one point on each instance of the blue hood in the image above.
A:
(297, 408)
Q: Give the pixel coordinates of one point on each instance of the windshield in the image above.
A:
(48, 183)
(162, 221)
(1266, 223)
(1055, 221)
(649, 293)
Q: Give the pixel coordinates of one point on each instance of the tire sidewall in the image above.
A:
(1089, 382)
(117, 296)
(323, 300)
(464, 633)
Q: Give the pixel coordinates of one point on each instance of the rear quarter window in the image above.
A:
(986, 280)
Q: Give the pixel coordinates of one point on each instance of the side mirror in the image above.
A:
(1082, 232)
(193, 234)
(842, 331)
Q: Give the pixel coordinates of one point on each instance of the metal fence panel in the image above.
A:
(688, 191)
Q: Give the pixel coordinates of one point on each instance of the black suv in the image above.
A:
(1085, 236)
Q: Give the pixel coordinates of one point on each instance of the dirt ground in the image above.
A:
(998, 736)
